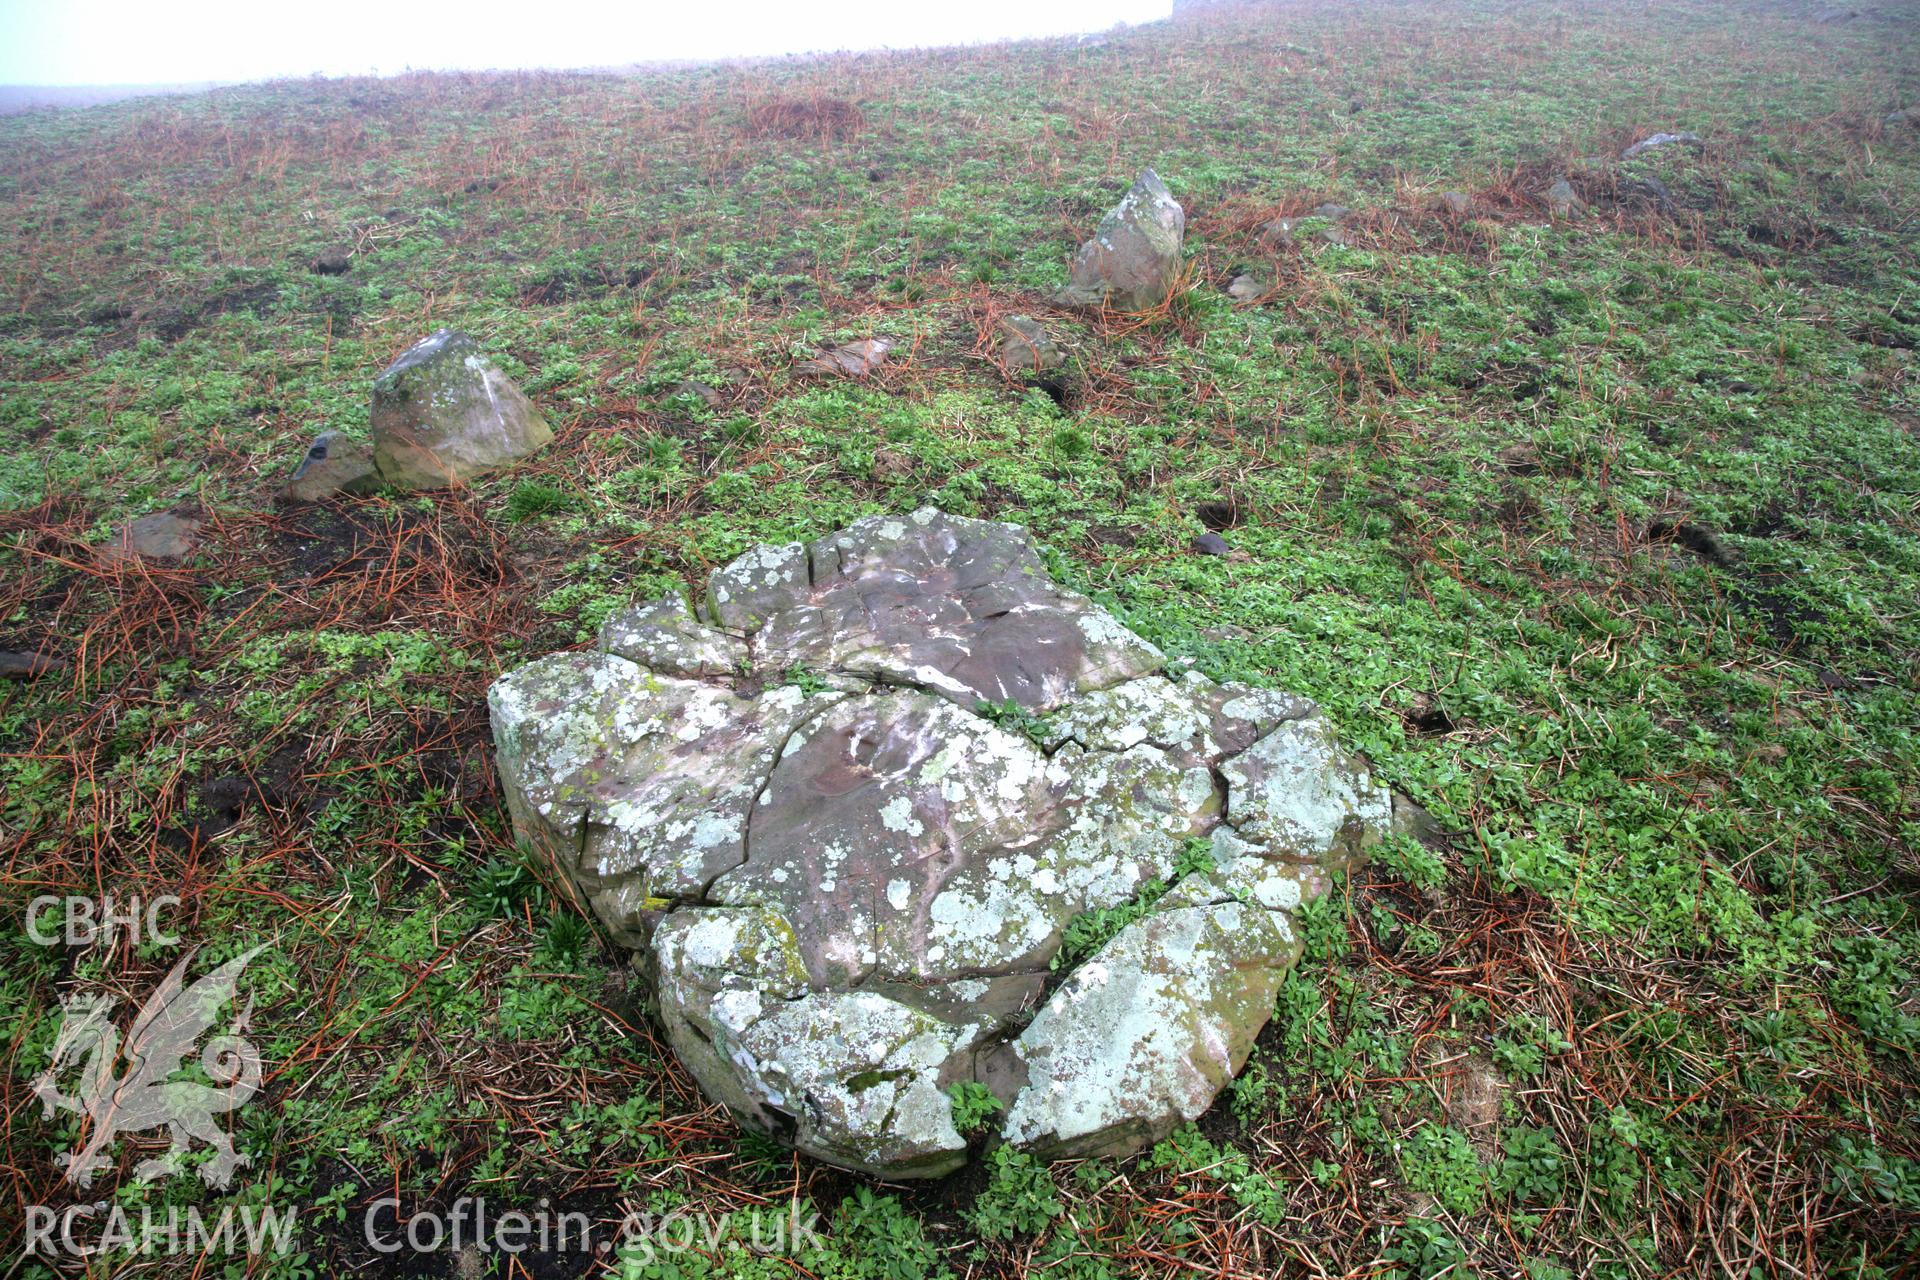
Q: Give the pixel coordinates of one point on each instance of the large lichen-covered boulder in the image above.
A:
(858, 811)
(1133, 261)
(443, 414)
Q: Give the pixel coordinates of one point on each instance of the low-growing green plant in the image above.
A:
(565, 939)
(499, 887)
(1194, 859)
(1019, 1199)
(805, 680)
(1089, 931)
(531, 499)
(1418, 865)
(974, 1107)
(1533, 1166)
(1257, 1096)
(1258, 1192)
(1873, 981)
(1421, 1249)
(1440, 1161)
(1014, 718)
(876, 1238)
(1866, 1174)
(1523, 1053)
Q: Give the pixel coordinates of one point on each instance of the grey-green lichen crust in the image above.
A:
(851, 890)
(443, 413)
(1132, 263)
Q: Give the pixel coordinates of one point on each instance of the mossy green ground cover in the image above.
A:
(1601, 538)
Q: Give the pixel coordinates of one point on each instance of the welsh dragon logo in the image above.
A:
(130, 1087)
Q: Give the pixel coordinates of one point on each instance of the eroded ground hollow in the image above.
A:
(892, 812)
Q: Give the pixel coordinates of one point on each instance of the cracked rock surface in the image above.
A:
(852, 889)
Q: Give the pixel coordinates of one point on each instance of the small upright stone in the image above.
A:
(1563, 200)
(332, 464)
(443, 414)
(1647, 195)
(1027, 347)
(1133, 261)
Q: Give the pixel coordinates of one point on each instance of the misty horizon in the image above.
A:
(220, 42)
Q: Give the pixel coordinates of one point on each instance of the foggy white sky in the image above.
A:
(69, 42)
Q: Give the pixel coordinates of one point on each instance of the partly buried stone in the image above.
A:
(161, 536)
(1645, 195)
(1562, 200)
(443, 414)
(1277, 233)
(852, 887)
(1653, 142)
(15, 665)
(1133, 261)
(705, 392)
(1026, 347)
(332, 464)
(888, 465)
(853, 360)
(1245, 288)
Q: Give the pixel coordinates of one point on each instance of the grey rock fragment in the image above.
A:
(1248, 289)
(1655, 141)
(162, 536)
(333, 463)
(853, 360)
(1562, 200)
(1025, 346)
